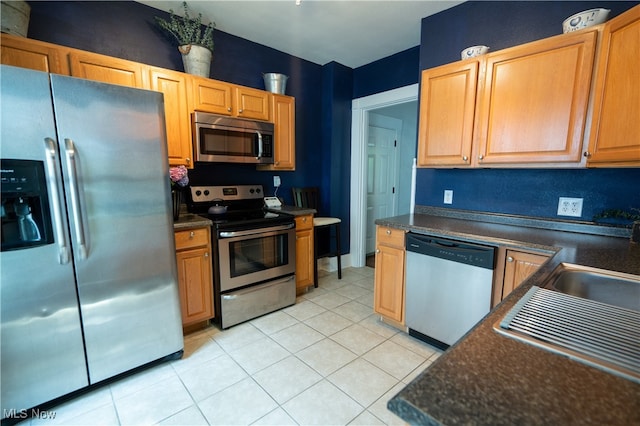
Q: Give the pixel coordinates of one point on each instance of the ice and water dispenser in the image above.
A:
(26, 220)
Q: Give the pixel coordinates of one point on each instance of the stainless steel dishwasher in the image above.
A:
(448, 287)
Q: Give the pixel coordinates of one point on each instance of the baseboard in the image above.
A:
(330, 264)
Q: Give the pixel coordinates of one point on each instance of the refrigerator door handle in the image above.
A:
(52, 182)
(71, 156)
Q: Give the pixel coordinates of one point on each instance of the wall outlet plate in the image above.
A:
(448, 196)
(276, 181)
(570, 207)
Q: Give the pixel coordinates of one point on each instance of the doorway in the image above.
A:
(377, 170)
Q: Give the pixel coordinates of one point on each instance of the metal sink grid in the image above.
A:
(598, 334)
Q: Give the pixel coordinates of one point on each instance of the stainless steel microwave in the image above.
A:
(221, 139)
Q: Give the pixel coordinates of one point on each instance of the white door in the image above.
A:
(382, 176)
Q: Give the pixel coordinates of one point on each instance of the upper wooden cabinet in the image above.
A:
(615, 130)
(533, 101)
(173, 85)
(106, 69)
(183, 93)
(523, 106)
(210, 96)
(447, 105)
(32, 54)
(283, 116)
(251, 103)
(222, 98)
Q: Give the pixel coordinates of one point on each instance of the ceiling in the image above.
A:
(350, 32)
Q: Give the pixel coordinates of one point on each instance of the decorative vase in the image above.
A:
(196, 59)
(176, 198)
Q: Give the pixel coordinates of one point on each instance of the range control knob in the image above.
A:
(206, 192)
(198, 193)
(257, 190)
(251, 191)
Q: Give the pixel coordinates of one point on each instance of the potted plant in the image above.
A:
(194, 43)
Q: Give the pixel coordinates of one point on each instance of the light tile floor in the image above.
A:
(326, 360)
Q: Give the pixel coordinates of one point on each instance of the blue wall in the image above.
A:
(126, 29)
(526, 192)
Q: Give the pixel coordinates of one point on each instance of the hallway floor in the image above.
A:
(325, 360)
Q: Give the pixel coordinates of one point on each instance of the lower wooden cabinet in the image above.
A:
(304, 251)
(193, 256)
(518, 266)
(388, 290)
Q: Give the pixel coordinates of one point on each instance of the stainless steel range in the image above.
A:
(254, 252)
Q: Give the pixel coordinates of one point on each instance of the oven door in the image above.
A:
(253, 256)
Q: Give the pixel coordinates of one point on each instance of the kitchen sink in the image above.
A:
(589, 315)
(613, 288)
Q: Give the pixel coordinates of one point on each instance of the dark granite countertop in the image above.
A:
(293, 210)
(487, 378)
(189, 220)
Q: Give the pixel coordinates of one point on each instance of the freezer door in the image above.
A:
(114, 158)
(42, 351)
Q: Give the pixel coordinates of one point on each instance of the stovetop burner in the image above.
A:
(244, 206)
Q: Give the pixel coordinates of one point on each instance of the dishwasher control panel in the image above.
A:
(455, 251)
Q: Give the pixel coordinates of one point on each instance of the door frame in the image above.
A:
(360, 108)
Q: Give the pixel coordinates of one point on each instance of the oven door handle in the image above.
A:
(231, 234)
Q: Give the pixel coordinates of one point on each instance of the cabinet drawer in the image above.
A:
(390, 237)
(304, 222)
(192, 238)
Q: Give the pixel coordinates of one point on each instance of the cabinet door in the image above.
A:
(283, 118)
(304, 251)
(518, 267)
(304, 258)
(195, 283)
(25, 53)
(174, 86)
(533, 101)
(614, 139)
(388, 293)
(251, 103)
(210, 96)
(447, 104)
(106, 69)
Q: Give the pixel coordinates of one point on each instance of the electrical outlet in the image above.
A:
(448, 196)
(570, 207)
(276, 181)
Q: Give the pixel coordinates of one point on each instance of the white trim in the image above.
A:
(359, 122)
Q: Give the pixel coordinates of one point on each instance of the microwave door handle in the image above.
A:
(259, 145)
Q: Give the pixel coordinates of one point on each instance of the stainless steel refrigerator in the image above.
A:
(88, 272)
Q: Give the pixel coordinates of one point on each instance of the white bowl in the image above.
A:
(472, 51)
(585, 19)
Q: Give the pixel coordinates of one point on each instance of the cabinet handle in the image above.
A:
(187, 160)
(388, 231)
(192, 234)
(509, 259)
(465, 158)
(480, 157)
(277, 163)
(240, 111)
(304, 219)
(229, 109)
(587, 154)
(206, 254)
(377, 251)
